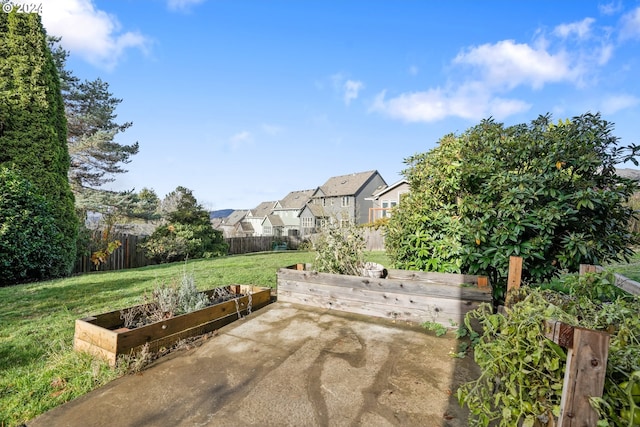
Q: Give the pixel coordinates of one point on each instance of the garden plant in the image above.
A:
(546, 192)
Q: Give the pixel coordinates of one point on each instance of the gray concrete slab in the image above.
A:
(288, 365)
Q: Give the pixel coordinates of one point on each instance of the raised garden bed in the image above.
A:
(411, 296)
(105, 336)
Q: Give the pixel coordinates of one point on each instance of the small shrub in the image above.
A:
(165, 302)
(340, 250)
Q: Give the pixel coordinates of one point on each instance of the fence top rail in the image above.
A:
(622, 282)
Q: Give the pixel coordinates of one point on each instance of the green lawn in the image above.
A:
(38, 367)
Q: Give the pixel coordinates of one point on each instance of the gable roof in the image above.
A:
(346, 185)
(246, 227)
(275, 220)
(316, 210)
(296, 199)
(263, 209)
(385, 189)
(235, 217)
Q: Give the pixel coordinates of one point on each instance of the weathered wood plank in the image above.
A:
(445, 312)
(398, 299)
(83, 346)
(622, 282)
(433, 277)
(584, 377)
(287, 278)
(416, 297)
(515, 273)
(95, 335)
(559, 332)
(177, 324)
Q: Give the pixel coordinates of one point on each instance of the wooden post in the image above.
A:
(483, 282)
(584, 374)
(586, 268)
(515, 273)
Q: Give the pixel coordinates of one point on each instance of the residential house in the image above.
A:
(272, 225)
(233, 226)
(256, 217)
(345, 198)
(386, 198)
(288, 210)
(312, 218)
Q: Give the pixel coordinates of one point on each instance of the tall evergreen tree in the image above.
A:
(33, 132)
(91, 129)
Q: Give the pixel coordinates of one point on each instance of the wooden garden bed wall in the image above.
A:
(103, 335)
(404, 295)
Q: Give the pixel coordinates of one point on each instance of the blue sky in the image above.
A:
(245, 101)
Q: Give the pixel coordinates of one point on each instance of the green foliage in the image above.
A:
(166, 301)
(33, 126)
(28, 232)
(547, 193)
(187, 234)
(340, 250)
(92, 128)
(522, 371)
(436, 327)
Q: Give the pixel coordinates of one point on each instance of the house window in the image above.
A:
(345, 201)
(344, 223)
(387, 205)
(267, 230)
(320, 222)
(307, 222)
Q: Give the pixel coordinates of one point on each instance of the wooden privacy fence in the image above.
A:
(128, 255)
(243, 245)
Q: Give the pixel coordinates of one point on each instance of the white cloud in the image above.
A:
(605, 53)
(93, 34)
(581, 29)
(182, 4)
(351, 90)
(630, 25)
(240, 139)
(509, 64)
(470, 102)
(610, 8)
(614, 103)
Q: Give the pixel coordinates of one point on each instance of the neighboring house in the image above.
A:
(272, 225)
(288, 210)
(347, 198)
(312, 219)
(385, 199)
(232, 225)
(256, 217)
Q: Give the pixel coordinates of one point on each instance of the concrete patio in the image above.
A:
(289, 365)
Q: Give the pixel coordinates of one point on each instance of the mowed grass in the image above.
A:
(38, 367)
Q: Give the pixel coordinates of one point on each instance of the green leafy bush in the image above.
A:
(545, 192)
(29, 237)
(177, 242)
(187, 233)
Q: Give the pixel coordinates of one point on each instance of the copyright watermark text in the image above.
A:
(8, 6)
